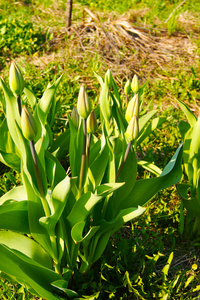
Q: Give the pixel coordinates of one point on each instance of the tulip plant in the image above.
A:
(190, 191)
(60, 221)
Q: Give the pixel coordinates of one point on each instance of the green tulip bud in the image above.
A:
(127, 87)
(108, 77)
(28, 124)
(16, 80)
(132, 130)
(75, 117)
(83, 104)
(135, 84)
(132, 108)
(92, 123)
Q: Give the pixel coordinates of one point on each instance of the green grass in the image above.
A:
(132, 267)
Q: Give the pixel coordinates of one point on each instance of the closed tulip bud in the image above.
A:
(127, 87)
(132, 130)
(132, 108)
(28, 124)
(92, 123)
(75, 117)
(83, 104)
(109, 77)
(16, 80)
(135, 84)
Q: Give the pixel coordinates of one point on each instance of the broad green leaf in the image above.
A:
(6, 142)
(62, 285)
(150, 167)
(55, 171)
(79, 238)
(35, 212)
(59, 198)
(191, 204)
(183, 128)
(154, 124)
(17, 193)
(11, 160)
(30, 96)
(46, 100)
(104, 190)
(29, 273)
(100, 239)
(82, 208)
(189, 115)
(127, 175)
(97, 168)
(27, 246)
(14, 216)
(145, 189)
(77, 231)
(60, 146)
(144, 119)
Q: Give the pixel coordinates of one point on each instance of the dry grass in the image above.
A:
(122, 46)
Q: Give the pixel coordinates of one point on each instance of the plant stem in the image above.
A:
(39, 181)
(45, 206)
(19, 104)
(124, 160)
(83, 157)
(88, 148)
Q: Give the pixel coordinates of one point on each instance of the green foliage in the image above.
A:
(20, 37)
(70, 219)
(189, 191)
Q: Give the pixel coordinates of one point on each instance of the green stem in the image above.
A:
(45, 206)
(124, 160)
(19, 104)
(88, 148)
(83, 157)
(39, 180)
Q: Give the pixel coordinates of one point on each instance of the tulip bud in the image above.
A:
(75, 117)
(28, 124)
(16, 80)
(109, 77)
(127, 87)
(83, 104)
(92, 123)
(135, 84)
(132, 108)
(132, 130)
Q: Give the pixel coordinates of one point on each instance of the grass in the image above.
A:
(138, 261)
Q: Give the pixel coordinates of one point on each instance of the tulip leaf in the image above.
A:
(62, 285)
(145, 118)
(128, 176)
(17, 193)
(82, 208)
(188, 113)
(154, 124)
(30, 96)
(171, 174)
(11, 160)
(59, 198)
(14, 216)
(25, 270)
(54, 169)
(27, 246)
(150, 167)
(46, 100)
